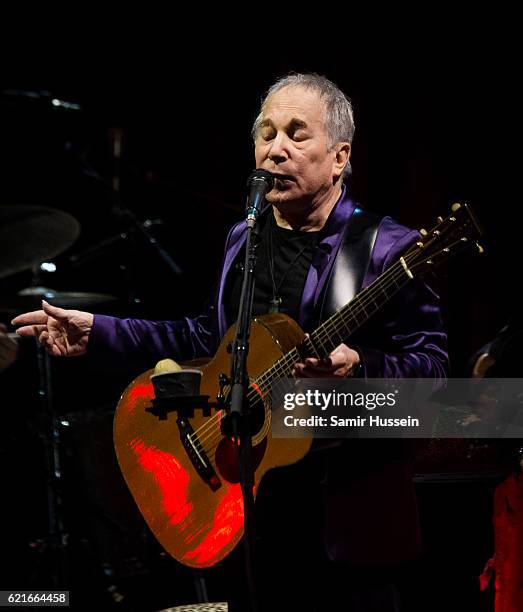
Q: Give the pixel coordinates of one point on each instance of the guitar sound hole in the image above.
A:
(226, 457)
(227, 462)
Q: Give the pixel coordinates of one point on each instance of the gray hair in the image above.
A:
(339, 117)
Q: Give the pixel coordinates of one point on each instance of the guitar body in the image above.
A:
(196, 523)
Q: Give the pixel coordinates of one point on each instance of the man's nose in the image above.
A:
(279, 151)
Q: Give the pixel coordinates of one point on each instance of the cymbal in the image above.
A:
(30, 235)
(31, 299)
(45, 99)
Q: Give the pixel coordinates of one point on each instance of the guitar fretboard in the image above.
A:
(341, 325)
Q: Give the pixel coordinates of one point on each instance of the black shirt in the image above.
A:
(289, 253)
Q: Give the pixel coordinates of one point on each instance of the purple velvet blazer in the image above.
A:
(407, 341)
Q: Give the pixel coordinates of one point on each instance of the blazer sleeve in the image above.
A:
(138, 343)
(407, 339)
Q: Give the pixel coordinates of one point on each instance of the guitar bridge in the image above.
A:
(197, 455)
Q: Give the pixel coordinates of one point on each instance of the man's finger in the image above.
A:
(301, 370)
(30, 318)
(54, 350)
(305, 372)
(50, 345)
(338, 359)
(54, 311)
(30, 330)
(323, 365)
(311, 361)
(38, 330)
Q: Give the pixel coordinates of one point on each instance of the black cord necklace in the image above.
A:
(276, 301)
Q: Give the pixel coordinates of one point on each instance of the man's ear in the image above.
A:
(341, 159)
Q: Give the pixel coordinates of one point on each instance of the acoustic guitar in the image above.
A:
(182, 471)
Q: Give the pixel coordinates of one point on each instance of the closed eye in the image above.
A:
(299, 135)
(296, 130)
(267, 133)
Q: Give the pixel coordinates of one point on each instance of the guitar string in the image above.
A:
(322, 333)
(395, 272)
(210, 442)
(325, 330)
(279, 368)
(285, 367)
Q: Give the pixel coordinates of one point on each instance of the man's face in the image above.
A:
(292, 143)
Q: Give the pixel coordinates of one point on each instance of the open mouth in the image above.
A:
(283, 177)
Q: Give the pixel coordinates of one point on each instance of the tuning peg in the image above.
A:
(440, 219)
(481, 250)
(423, 232)
(455, 207)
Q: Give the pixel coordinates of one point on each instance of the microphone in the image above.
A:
(260, 183)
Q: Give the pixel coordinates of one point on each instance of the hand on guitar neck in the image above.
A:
(341, 363)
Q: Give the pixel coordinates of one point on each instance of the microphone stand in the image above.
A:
(239, 415)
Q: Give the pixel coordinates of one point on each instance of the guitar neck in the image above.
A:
(341, 325)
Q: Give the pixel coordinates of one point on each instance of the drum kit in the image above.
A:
(38, 240)
(77, 443)
(30, 236)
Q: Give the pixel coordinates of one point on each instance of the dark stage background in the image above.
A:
(430, 130)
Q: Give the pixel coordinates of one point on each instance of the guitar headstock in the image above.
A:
(454, 233)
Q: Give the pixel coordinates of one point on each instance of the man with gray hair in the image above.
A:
(316, 250)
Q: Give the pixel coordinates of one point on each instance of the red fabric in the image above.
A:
(508, 526)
